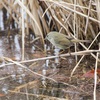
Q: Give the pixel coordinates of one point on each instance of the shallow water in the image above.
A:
(17, 83)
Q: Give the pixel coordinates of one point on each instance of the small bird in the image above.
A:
(62, 41)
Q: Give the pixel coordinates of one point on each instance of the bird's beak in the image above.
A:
(45, 38)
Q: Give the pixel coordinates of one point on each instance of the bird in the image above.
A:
(62, 41)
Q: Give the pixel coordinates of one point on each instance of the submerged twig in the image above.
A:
(17, 63)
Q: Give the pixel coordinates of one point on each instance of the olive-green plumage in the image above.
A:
(62, 41)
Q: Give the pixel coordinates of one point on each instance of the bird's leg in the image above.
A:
(69, 51)
(61, 52)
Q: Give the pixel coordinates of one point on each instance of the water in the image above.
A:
(1, 21)
(14, 78)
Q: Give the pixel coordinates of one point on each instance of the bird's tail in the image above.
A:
(76, 41)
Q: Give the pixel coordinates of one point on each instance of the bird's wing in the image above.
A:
(64, 42)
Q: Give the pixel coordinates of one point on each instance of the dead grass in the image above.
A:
(78, 18)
